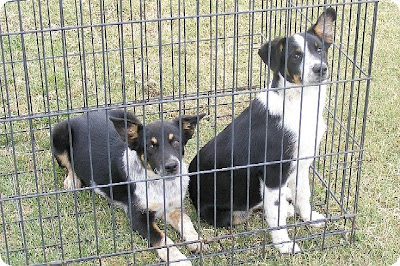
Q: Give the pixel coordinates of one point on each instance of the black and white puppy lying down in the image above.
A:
(286, 125)
(112, 160)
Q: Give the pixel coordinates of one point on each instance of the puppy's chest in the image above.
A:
(302, 116)
(158, 194)
(305, 121)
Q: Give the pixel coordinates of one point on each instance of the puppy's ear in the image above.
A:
(129, 129)
(324, 27)
(271, 53)
(187, 124)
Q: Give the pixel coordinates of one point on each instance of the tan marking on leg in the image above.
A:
(174, 218)
(63, 158)
(71, 181)
(173, 252)
(155, 226)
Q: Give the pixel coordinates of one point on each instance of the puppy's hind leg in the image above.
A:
(71, 180)
(60, 142)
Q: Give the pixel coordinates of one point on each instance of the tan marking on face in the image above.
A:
(316, 44)
(298, 50)
(154, 140)
(171, 136)
(281, 47)
(297, 79)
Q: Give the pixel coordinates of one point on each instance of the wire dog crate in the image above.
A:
(158, 59)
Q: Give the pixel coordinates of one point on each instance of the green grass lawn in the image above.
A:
(64, 226)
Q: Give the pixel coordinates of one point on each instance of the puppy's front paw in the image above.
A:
(287, 248)
(72, 181)
(198, 247)
(315, 216)
(181, 263)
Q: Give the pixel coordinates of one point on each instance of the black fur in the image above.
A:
(97, 157)
(284, 57)
(275, 136)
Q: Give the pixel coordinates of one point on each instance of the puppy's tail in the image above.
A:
(60, 143)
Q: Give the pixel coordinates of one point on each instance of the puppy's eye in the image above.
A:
(297, 56)
(175, 143)
(151, 147)
(319, 50)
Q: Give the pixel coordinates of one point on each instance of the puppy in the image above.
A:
(100, 148)
(280, 131)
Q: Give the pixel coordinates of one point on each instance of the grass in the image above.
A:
(63, 226)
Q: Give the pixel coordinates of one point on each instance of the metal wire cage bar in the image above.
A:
(163, 59)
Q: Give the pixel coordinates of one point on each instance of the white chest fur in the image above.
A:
(156, 195)
(301, 111)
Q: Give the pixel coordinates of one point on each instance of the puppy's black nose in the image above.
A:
(171, 167)
(320, 69)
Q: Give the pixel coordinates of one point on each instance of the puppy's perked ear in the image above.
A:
(324, 27)
(128, 129)
(271, 53)
(187, 124)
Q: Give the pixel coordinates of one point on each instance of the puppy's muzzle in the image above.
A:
(321, 71)
(171, 167)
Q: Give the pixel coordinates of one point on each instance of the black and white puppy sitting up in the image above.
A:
(286, 127)
(100, 155)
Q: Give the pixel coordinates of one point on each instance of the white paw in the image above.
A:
(197, 247)
(287, 248)
(172, 255)
(181, 263)
(315, 216)
(69, 182)
(290, 211)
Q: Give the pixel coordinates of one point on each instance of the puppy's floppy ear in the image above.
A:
(271, 53)
(129, 129)
(187, 124)
(324, 27)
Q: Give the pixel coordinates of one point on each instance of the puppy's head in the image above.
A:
(162, 142)
(301, 58)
